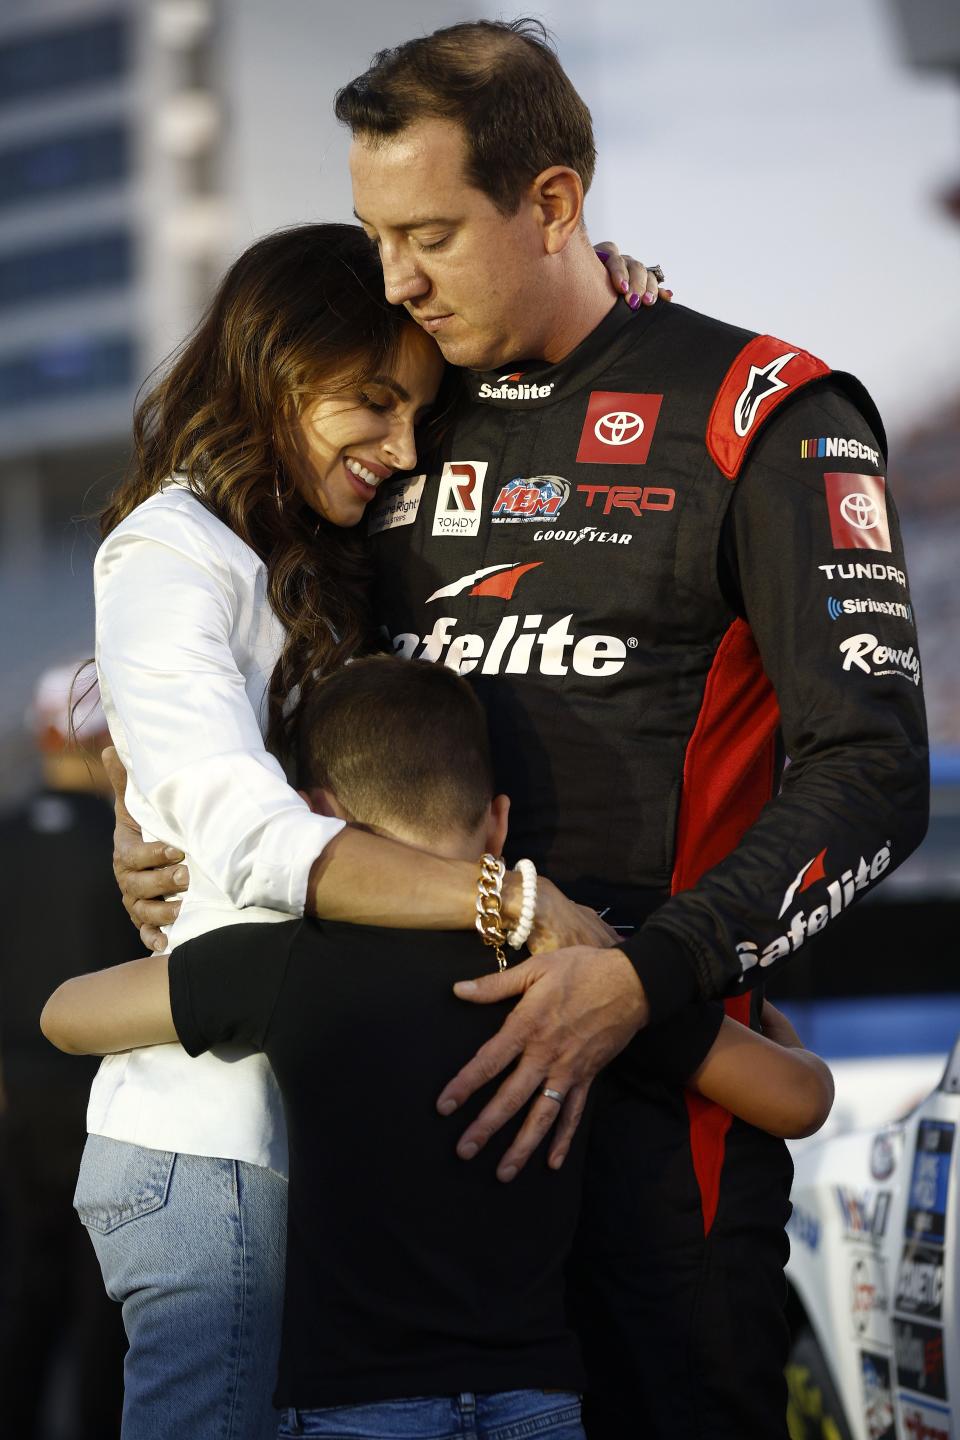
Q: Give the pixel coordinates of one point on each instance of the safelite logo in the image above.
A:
(509, 387)
(520, 644)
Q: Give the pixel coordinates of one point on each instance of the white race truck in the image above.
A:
(874, 1272)
(874, 1278)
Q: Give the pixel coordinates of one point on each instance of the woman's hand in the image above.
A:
(146, 872)
(559, 923)
(630, 278)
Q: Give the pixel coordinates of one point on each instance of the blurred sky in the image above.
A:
(781, 161)
(784, 163)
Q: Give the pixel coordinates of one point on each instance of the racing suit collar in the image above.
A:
(532, 384)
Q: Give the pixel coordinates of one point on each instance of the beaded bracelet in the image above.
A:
(520, 934)
(489, 920)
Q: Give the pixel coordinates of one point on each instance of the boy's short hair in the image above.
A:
(501, 81)
(398, 742)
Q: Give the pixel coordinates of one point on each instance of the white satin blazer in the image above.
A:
(186, 645)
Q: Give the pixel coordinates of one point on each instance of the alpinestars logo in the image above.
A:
(762, 382)
(840, 894)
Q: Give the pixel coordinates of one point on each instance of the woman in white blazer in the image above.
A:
(228, 579)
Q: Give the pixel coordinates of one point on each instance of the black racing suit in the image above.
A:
(666, 562)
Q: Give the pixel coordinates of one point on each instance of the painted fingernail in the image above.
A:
(465, 987)
(669, 294)
(648, 298)
(447, 1107)
(467, 1152)
(634, 301)
(508, 1174)
(624, 286)
(172, 854)
(603, 255)
(180, 875)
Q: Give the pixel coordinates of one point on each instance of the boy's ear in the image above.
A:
(324, 802)
(497, 824)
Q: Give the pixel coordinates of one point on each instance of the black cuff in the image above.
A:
(665, 969)
(671, 1052)
(181, 1003)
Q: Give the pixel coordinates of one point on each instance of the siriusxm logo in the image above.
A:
(836, 609)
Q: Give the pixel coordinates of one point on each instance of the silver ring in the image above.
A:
(552, 1094)
(657, 272)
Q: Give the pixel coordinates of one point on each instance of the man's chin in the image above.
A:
(469, 352)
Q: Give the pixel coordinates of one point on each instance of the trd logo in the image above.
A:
(635, 498)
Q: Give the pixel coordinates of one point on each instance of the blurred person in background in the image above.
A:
(52, 1306)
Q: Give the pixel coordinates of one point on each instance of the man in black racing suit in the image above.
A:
(647, 601)
(666, 559)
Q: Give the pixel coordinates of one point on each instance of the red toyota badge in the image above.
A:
(857, 505)
(618, 429)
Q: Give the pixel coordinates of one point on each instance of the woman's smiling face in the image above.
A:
(349, 444)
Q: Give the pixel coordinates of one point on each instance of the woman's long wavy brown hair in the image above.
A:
(301, 312)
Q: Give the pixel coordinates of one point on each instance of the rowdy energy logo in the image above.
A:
(459, 498)
(857, 506)
(618, 428)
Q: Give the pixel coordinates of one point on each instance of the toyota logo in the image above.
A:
(860, 511)
(619, 427)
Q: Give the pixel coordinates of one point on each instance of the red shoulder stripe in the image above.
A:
(764, 374)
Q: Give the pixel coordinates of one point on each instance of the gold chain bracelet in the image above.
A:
(489, 920)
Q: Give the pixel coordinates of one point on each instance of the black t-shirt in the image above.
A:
(409, 1271)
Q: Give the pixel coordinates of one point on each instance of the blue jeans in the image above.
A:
(505, 1415)
(193, 1248)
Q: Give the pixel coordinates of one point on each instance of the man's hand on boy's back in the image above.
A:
(579, 1007)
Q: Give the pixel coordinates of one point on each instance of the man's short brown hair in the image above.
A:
(501, 81)
(398, 742)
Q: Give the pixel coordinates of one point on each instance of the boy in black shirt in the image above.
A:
(433, 1280)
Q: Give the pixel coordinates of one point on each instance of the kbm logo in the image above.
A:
(538, 498)
(520, 643)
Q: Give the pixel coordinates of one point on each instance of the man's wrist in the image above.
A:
(665, 969)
